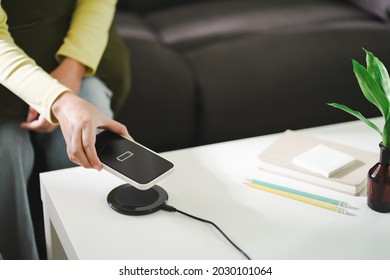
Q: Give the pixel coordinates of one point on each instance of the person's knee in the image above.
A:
(97, 93)
(16, 149)
(14, 138)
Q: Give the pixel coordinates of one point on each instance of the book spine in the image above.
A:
(337, 186)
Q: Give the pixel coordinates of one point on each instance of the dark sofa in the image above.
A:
(217, 70)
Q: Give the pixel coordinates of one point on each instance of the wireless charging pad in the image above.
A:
(129, 200)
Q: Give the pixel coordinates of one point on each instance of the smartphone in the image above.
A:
(130, 161)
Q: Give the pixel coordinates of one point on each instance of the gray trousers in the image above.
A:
(17, 240)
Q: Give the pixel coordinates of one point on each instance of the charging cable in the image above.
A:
(169, 208)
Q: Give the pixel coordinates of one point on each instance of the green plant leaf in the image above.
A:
(370, 61)
(379, 72)
(375, 85)
(356, 114)
(370, 88)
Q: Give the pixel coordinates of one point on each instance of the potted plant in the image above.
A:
(374, 83)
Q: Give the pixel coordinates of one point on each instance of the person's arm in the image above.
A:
(78, 119)
(69, 73)
(87, 36)
(80, 52)
(21, 75)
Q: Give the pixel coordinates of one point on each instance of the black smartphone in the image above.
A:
(130, 161)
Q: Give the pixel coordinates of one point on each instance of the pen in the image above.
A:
(314, 202)
(301, 193)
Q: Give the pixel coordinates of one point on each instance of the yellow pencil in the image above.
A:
(318, 203)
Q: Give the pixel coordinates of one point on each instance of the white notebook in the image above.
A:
(351, 179)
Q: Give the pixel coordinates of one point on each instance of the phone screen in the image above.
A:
(131, 160)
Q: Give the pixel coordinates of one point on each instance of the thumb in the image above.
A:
(32, 114)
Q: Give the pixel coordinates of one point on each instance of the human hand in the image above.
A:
(36, 122)
(78, 121)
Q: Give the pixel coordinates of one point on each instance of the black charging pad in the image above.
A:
(129, 200)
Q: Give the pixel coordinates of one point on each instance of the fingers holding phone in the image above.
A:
(130, 161)
(79, 121)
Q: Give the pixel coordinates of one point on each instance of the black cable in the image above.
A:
(173, 209)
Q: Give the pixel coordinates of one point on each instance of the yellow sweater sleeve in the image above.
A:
(87, 37)
(20, 74)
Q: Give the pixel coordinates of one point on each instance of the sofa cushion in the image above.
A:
(131, 25)
(159, 77)
(240, 68)
(380, 8)
(143, 6)
(189, 26)
(281, 80)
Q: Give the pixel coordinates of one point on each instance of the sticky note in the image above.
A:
(323, 160)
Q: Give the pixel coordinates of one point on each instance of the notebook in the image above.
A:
(349, 178)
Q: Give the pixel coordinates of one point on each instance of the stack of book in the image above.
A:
(292, 154)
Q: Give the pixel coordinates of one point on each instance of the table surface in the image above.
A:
(208, 183)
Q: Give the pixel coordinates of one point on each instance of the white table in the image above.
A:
(208, 182)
